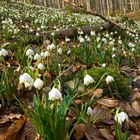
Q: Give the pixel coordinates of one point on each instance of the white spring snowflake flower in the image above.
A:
(52, 47)
(67, 39)
(29, 52)
(40, 66)
(27, 80)
(113, 55)
(104, 40)
(55, 94)
(88, 80)
(3, 52)
(104, 65)
(89, 111)
(37, 34)
(47, 53)
(121, 117)
(37, 56)
(60, 51)
(69, 51)
(92, 33)
(109, 79)
(38, 84)
(44, 54)
(81, 39)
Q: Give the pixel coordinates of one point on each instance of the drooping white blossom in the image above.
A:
(55, 94)
(121, 117)
(3, 52)
(40, 66)
(88, 80)
(89, 111)
(109, 79)
(38, 84)
(29, 52)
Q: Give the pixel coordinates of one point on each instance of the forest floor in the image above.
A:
(96, 72)
(134, 15)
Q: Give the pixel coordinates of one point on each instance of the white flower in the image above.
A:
(44, 54)
(120, 42)
(81, 39)
(104, 40)
(29, 52)
(3, 52)
(109, 79)
(88, 80)
(37, 34)
(38, 84)
(27, 80)
(67, 39)
(55, 94)
(40, 66)
(131, 45)
(89, 111)
(31, 30)
(92, 33)
(60, 51)
(104, 65)
(69, 51)
(121, 117)
(98, 39)
(133, 49)
(99, 46)
(37, 56)
(113, 49)
(52, 46)
(113, 55)
(47, 54)
(111, 43)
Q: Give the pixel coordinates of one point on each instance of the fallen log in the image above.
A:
(73, 32)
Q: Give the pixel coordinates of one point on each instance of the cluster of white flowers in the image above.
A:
(27, 80)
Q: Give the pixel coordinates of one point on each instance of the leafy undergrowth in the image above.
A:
(84, 87)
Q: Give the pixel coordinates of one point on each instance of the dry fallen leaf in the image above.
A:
(9, 117)
(106, 134)
(133, 126)
(98, 92)
(135, 96)
(108, 102)
(79, 131)
(134, 137)
(131, 112)
(136, 106)
(101, 114)
(92, 133)
(27, 132)
(13, 130)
